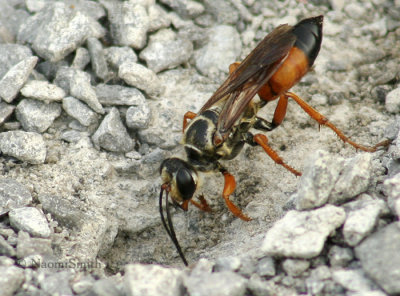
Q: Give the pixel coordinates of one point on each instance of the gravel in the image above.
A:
(14, 79)
(92, 96)
(302, 234)
(30, 220)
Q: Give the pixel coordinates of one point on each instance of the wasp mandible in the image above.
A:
(222, 126)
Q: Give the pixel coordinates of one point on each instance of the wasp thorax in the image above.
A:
(181, 178)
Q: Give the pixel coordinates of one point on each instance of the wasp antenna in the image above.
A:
(170, 227)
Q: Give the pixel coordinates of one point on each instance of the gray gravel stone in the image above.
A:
(28, 246)
(98, 60)
(302, 234)
(158, 18)
(392, 101)
(353, 180)
(218, 283)
(5, 261)
(73, 136)
(57, 30)
(11, 19)
(67, 212)
(13, 195)
(185, 8)
(83, 284)
(78, 110)
(141, 77)
(266, 267)
(166, 51)
(111, 95)
(57, 283)
(376, 29)
(152, 280)
(5, 111)
(36, 116)
(295, 267)
(116, 56)
(88, 7)
(11, 279)
(319, 177)
(259, 287)
(25, 146)
(380, 257)
(5, 248)
(222, 49)
(112, 134)
(12, 54)
(81, 59)
(105, 287)
(7, 232)
(223, 11)
(361, 220)
(77, 83)
(31, 220)
(340, 257)
(138, 117)
(15, 78)
(129, 23)
(355, 10)
(353, 280)
(227, 264)
(318, 279)
(392, 189)
(42, 90)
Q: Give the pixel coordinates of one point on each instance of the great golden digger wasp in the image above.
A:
(222, 126)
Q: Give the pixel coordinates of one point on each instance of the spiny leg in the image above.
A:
(229, 188)
(322, 120)
(188, 115)
(203, 205)
(262, 140)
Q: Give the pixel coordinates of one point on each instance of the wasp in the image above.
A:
(222, 126)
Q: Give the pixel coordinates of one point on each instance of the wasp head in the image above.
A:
(179, 179)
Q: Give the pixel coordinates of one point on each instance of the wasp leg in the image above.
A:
(262, 140)
(184, 206)
(203, 205)
(262, 125)
(233, 67)
(229, 188)
(322, 120)
(188, 115)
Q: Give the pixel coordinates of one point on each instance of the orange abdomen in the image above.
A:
(289, 73)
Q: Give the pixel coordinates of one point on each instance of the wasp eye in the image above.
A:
(185, 183)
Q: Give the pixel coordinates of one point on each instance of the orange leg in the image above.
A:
(203, 205)
(188, 115)
(233, 67)
(280, 111)
(322, 120)
(229, 188)
(262, 140)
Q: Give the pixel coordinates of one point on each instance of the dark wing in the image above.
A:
(256, 69)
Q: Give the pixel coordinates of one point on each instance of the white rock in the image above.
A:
(152, 280)
(302, 234)
(31, 220)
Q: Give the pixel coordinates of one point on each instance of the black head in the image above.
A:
(181, 178)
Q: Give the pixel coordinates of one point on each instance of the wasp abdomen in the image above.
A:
(309, 37)
(299, 60)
